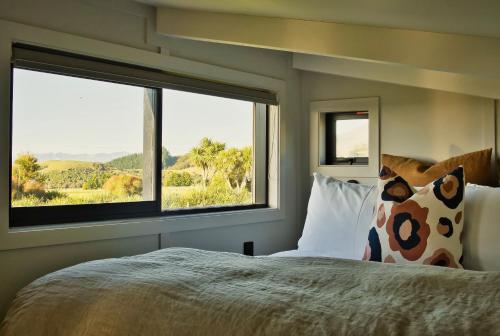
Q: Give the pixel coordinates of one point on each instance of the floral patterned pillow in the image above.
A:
(421, 227)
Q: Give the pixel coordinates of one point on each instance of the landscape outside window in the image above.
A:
(80, 141)
(209, 141)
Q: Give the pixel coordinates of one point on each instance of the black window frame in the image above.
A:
(68, 214)
(331, 157)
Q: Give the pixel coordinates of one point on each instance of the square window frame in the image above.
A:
(317, 131)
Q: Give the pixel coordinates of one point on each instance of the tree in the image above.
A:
(204, 156)
(26, 168)
(236, 166)
(26, 176)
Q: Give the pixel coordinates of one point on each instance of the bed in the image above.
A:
(180, 291)
(321, 288)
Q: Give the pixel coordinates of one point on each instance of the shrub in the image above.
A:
(219, 183)
(96, 181)
(33, 187)
(30, 188)
(123, 185)
(76, 178)
(177, 179)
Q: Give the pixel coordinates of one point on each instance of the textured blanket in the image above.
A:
(192, 292)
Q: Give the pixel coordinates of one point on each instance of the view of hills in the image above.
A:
(119, 160)
(209, 174)
(96, 157)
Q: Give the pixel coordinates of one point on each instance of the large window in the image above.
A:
(102, 140)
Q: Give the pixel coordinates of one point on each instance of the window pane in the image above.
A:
(351, 138)
(79, 141)
(207, 153)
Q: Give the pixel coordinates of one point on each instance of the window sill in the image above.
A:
(35, 236)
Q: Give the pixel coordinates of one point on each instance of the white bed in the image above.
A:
(321, 288)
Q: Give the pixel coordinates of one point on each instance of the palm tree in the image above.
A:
(204, 157)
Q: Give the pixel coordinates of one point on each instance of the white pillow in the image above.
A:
(338, 218)
(481, 228)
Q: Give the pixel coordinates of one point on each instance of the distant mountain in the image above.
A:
(97, 157)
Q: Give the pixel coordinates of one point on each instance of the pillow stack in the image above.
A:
(423, 227)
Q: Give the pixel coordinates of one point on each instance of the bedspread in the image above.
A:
(180, 291)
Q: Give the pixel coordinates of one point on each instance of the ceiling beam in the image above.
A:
(449, 62)
(468, 55)
(399, 74)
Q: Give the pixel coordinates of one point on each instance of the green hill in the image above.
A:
(135, 161)
(131, 161)
(182, 162)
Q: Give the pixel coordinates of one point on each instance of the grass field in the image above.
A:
(172, 198)
(52, 165)
(94, 195)
(65, 181)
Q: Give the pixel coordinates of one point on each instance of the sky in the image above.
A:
(351, 137)
(188, 117)
(53, 113)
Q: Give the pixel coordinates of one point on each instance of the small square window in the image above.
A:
(346, 138)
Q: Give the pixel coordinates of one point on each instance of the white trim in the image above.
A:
(92, 231)
(50, 235)
(317, 111)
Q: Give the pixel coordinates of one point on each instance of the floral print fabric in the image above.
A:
(421, 227)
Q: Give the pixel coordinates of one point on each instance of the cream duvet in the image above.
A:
(180, 291)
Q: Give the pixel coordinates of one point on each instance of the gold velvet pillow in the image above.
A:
(477, 166)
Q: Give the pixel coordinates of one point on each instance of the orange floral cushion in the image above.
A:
(423, 227)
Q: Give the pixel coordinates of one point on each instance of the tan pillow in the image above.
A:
(477, 166)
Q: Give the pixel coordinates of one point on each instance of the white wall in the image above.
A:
(420, 123)
(130, 24)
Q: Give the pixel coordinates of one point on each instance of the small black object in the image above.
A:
(248, 248)
(353, 181)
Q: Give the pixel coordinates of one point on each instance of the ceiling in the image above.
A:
(472, 17)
